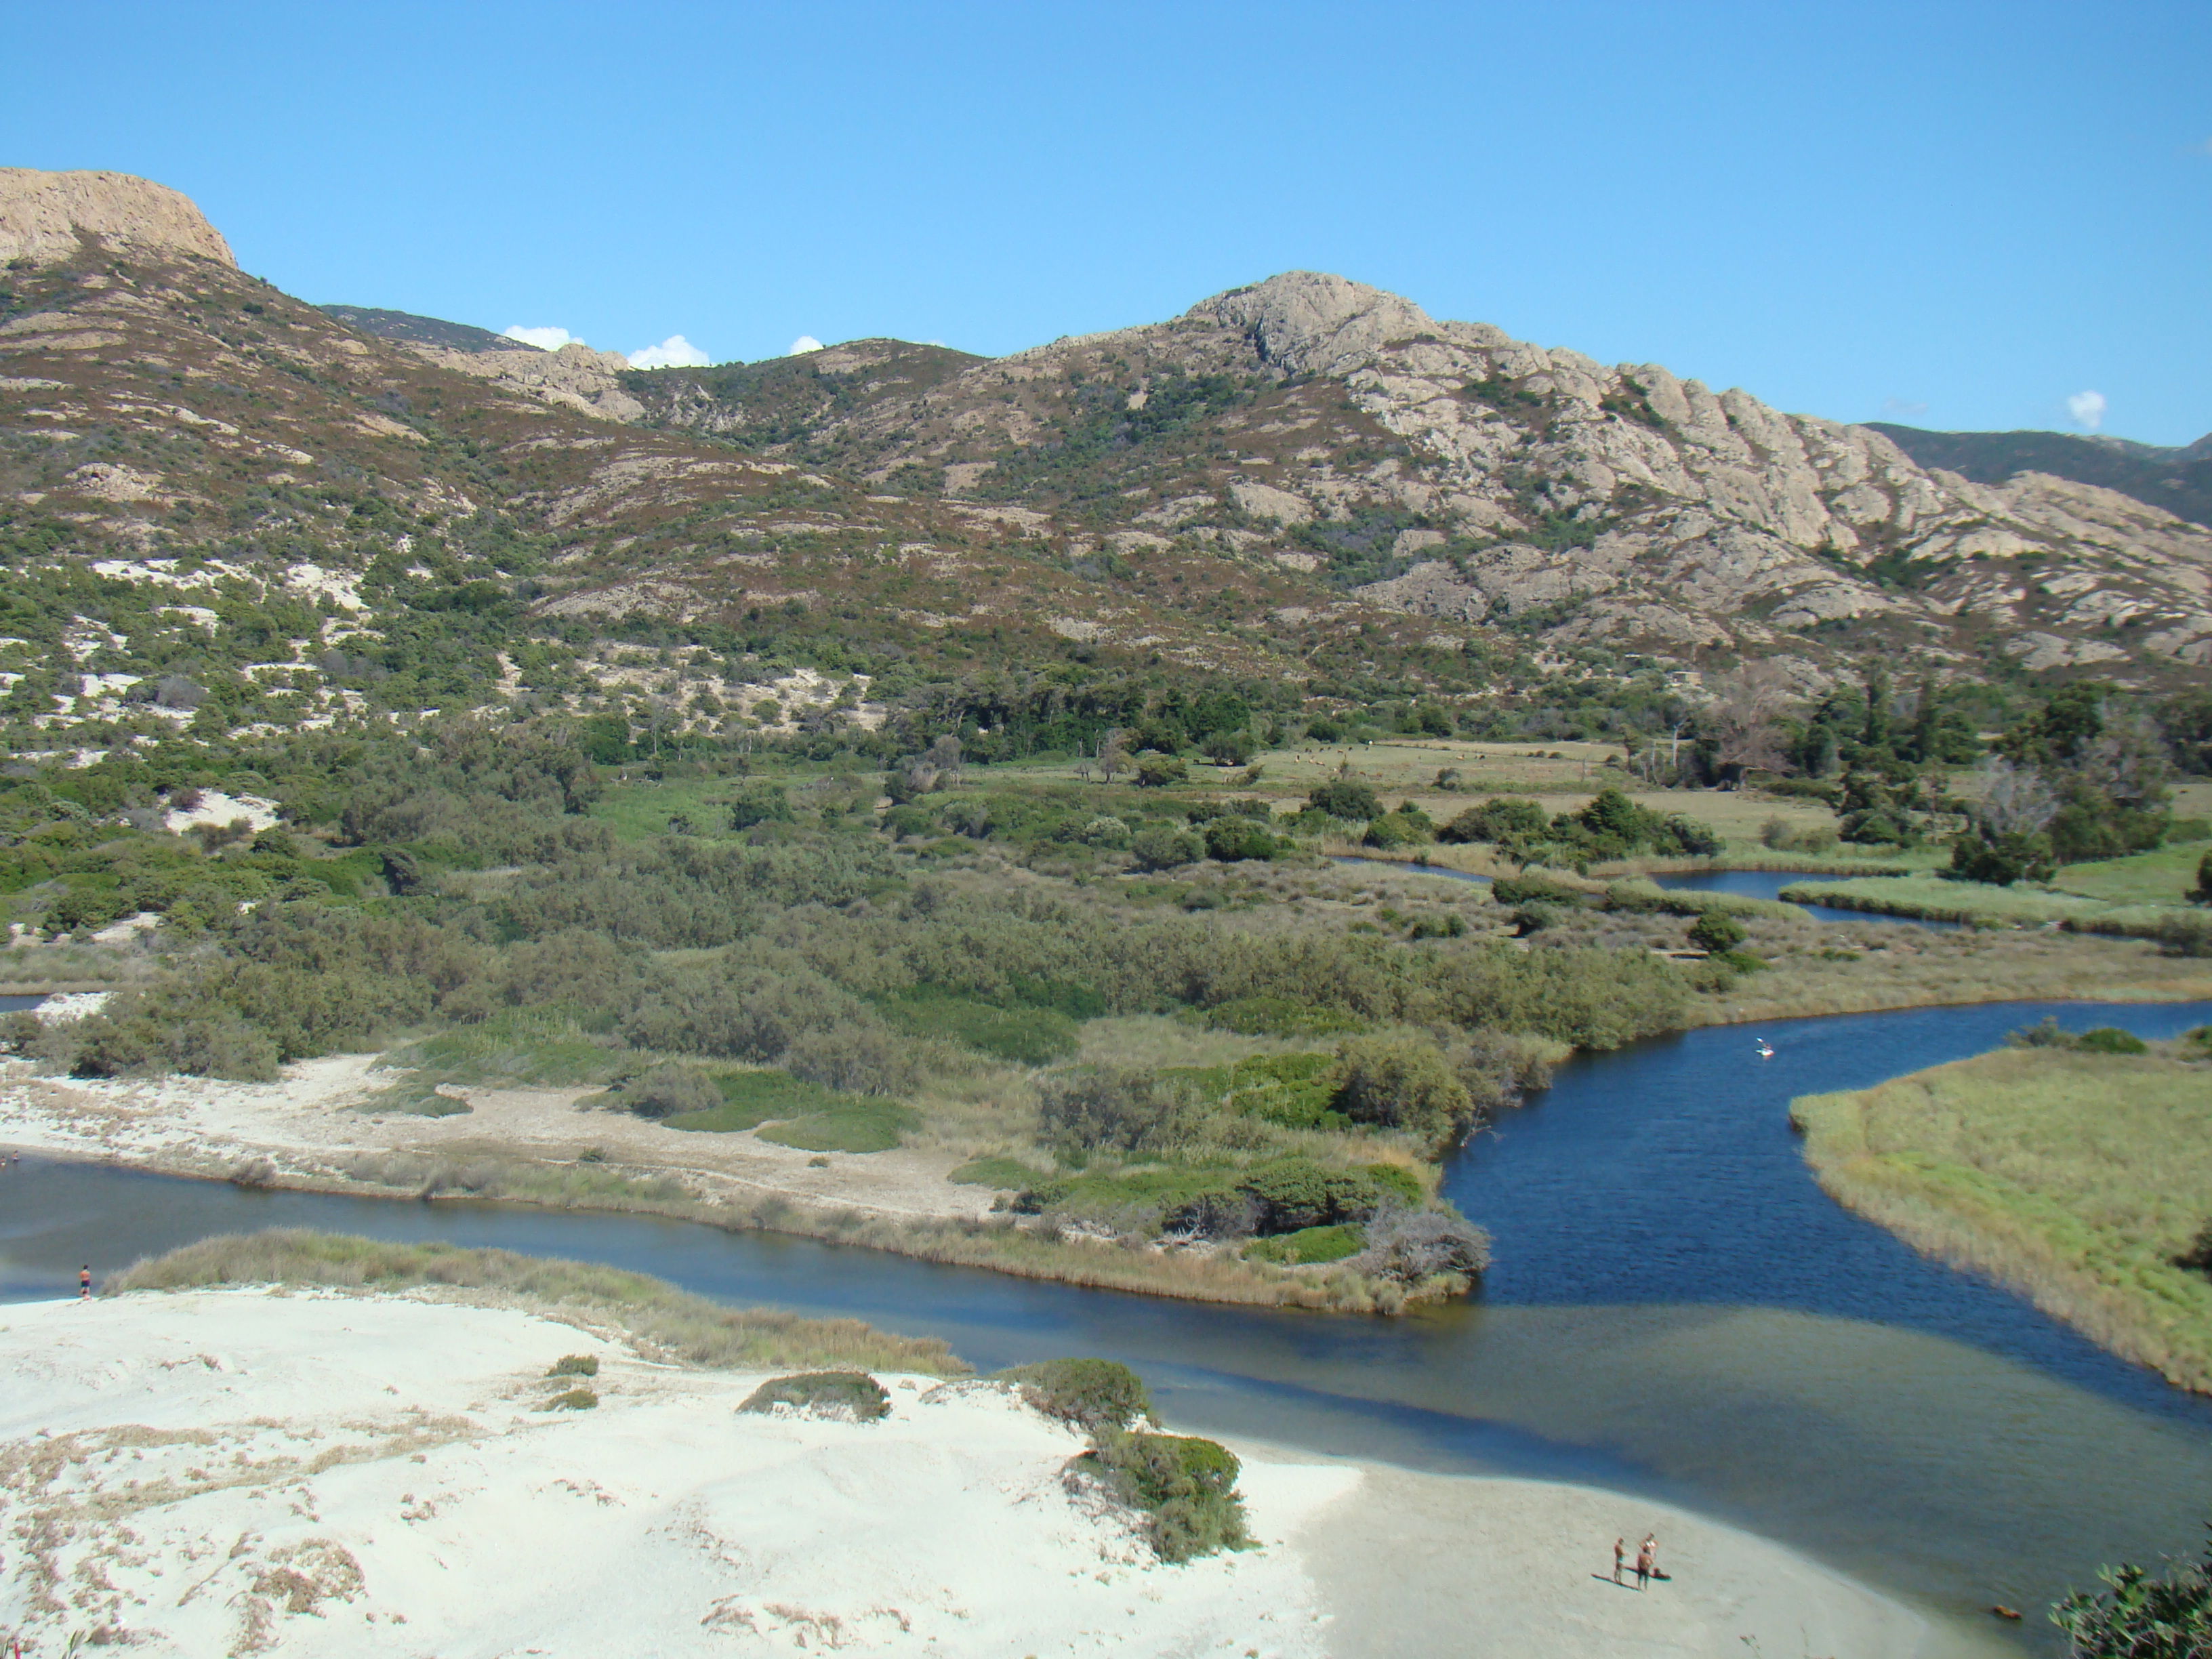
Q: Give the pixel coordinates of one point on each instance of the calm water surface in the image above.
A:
(1769, 883)
(1676, 1312)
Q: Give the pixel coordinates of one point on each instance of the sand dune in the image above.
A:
(244, 1472)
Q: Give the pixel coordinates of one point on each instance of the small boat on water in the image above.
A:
(1765, 1052)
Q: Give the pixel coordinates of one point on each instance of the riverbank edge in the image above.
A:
(1006, 1247)
(1926, 1215)
(998, 1246)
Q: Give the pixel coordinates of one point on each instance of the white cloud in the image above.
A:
(1902, 406)
(674, 352)
(803, 344)
(2087, 409)
(545, 339)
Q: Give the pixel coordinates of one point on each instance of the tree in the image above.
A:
(944, 757)
(1716, 931)
(1745, 719)
(1113, 754)
(1402, 1082)
(2201, 894)
(1345, 797)
(1231, 749)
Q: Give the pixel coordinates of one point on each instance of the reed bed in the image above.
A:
(670, 1321)
(2073, 1179)
(1934, 899)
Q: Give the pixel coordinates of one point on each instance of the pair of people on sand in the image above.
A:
(1647, 1559)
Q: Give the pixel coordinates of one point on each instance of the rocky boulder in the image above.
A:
(48, 218)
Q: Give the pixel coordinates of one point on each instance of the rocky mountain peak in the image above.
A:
(44, 217)
(1312, 323)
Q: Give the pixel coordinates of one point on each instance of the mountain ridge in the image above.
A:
(1304, 480)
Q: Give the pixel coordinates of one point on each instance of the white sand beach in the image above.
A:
(246, 1472)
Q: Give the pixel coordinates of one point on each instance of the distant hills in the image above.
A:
(405, 325)
(1304, 481)
(2178, 479)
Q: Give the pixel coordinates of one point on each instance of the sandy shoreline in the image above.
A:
(247, 1472)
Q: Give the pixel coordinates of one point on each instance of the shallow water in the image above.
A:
(1677, 1312)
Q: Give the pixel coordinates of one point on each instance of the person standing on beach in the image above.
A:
(84, 1283)
(1643, 1561)
(1619, 1553)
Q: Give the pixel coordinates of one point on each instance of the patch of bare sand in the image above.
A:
(1409, 1564)
(308, 1128)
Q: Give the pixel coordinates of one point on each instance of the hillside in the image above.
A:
(2176, 480)
(214, 495)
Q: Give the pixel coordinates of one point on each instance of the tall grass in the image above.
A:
(2075, 1179)
(684, 1326)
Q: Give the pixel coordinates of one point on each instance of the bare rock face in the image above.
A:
(45, 217)
(575, 377)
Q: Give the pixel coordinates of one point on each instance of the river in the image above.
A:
(1676, 1311)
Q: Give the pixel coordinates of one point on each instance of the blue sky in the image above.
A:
(1957, 216)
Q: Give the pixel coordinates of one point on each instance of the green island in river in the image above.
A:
(2077, 1171)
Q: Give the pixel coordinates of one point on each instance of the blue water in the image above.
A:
(1769, 883)
(1676, 1312)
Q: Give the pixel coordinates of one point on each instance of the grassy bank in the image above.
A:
(2074, 1178)
(1027, 1249)
(1978, 904)
(685, 1328)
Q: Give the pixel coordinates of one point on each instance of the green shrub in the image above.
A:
(1285, 1195)
(1185, 1488)
(2047, 1033)
(1096, 1395)
(2186, 935)
(1159, 771)
(1396, 1180)
(668, 1091)
(1392, 830)
(1234, 839)
(1112, 1108)
(1162, 847)
(1346, 798)
(1402, 1081)
(1500, 818)
(1309, 1246)
(846, 1396)
(575, 1365)
(761, 804)
(575, 1400)
(1716, 932)
(2140, 1615)
(902, 821)
(2201, 893)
